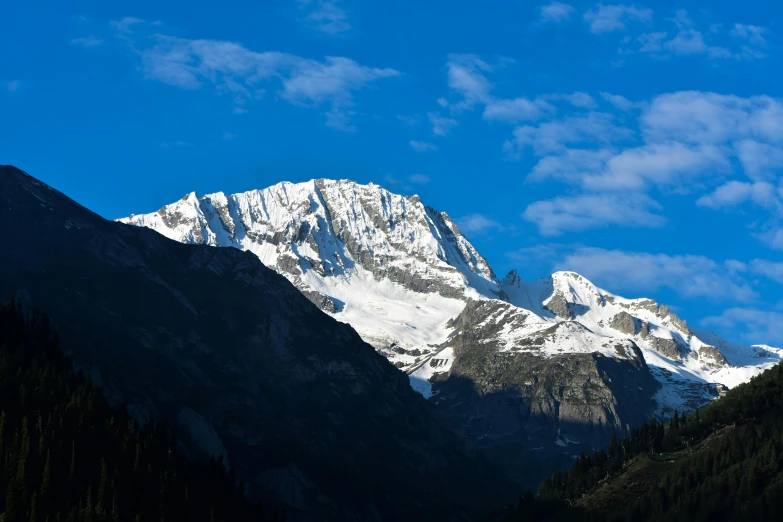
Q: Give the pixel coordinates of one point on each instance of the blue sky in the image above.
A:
(640, 144)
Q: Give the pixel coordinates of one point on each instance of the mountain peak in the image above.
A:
(391, 266)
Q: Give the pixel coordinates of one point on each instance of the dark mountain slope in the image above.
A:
(212, 339)
(65, 454)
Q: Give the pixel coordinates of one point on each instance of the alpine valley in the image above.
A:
(532, 373)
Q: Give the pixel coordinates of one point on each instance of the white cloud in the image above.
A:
(516, 110)
(591, 128)
(11, 86)
(769, 269)
(691, 141)
(757, 326)
(555, 12)
(619, 102)
(570, 165)
(175, 144)
(735, 193)
(761, 161)
(409, 120)
(607, 18)
(326, 16)
(775, 239)
(661, 164)
(652, 42)
(422, 146)
(242, 73)
(418, 179)
(465, 76)
(577, 99)
(441, 125)
(689, 276)
(753, 33)
(474, 223)
(87, 41)
(699, 117)
(690, 40)
(582, 212)
(126, 24)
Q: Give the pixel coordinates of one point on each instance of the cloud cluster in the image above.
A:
(422, 146)
(87, 41)
(615, 155)
(555, 12)
(608, 18)
(244, 74)
(688, 141)
(666, 36)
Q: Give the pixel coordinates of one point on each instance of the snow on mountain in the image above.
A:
(399, 272)
(689, 364)
(394, 269)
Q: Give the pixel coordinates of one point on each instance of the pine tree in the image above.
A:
(46, 479)
(34, 508)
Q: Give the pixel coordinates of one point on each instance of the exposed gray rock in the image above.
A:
(322, 301)
(668, 347)
(559, 306)
(711, 352)
(645, 330)
(508, 402)
(624, 322)
(288, 264)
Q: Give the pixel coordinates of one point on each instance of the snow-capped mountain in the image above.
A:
(394, 269)
(400, 273)
(683, 360)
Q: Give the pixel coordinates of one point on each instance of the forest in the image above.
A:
(67, 455)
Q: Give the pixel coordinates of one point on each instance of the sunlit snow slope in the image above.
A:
(394, 269)
(399, 271)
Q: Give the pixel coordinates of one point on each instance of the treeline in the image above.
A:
(67, 455)
(724, 462)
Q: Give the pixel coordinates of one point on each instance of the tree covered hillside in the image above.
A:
(66, 455)
(724, 462)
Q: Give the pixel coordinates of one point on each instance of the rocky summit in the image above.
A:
(540, 370)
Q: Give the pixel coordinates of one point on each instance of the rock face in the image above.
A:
(512, 393)
(307, 413)
(625, 323)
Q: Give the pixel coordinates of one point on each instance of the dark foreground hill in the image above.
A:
(306, 413)
(66, 455)
(722, 463)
